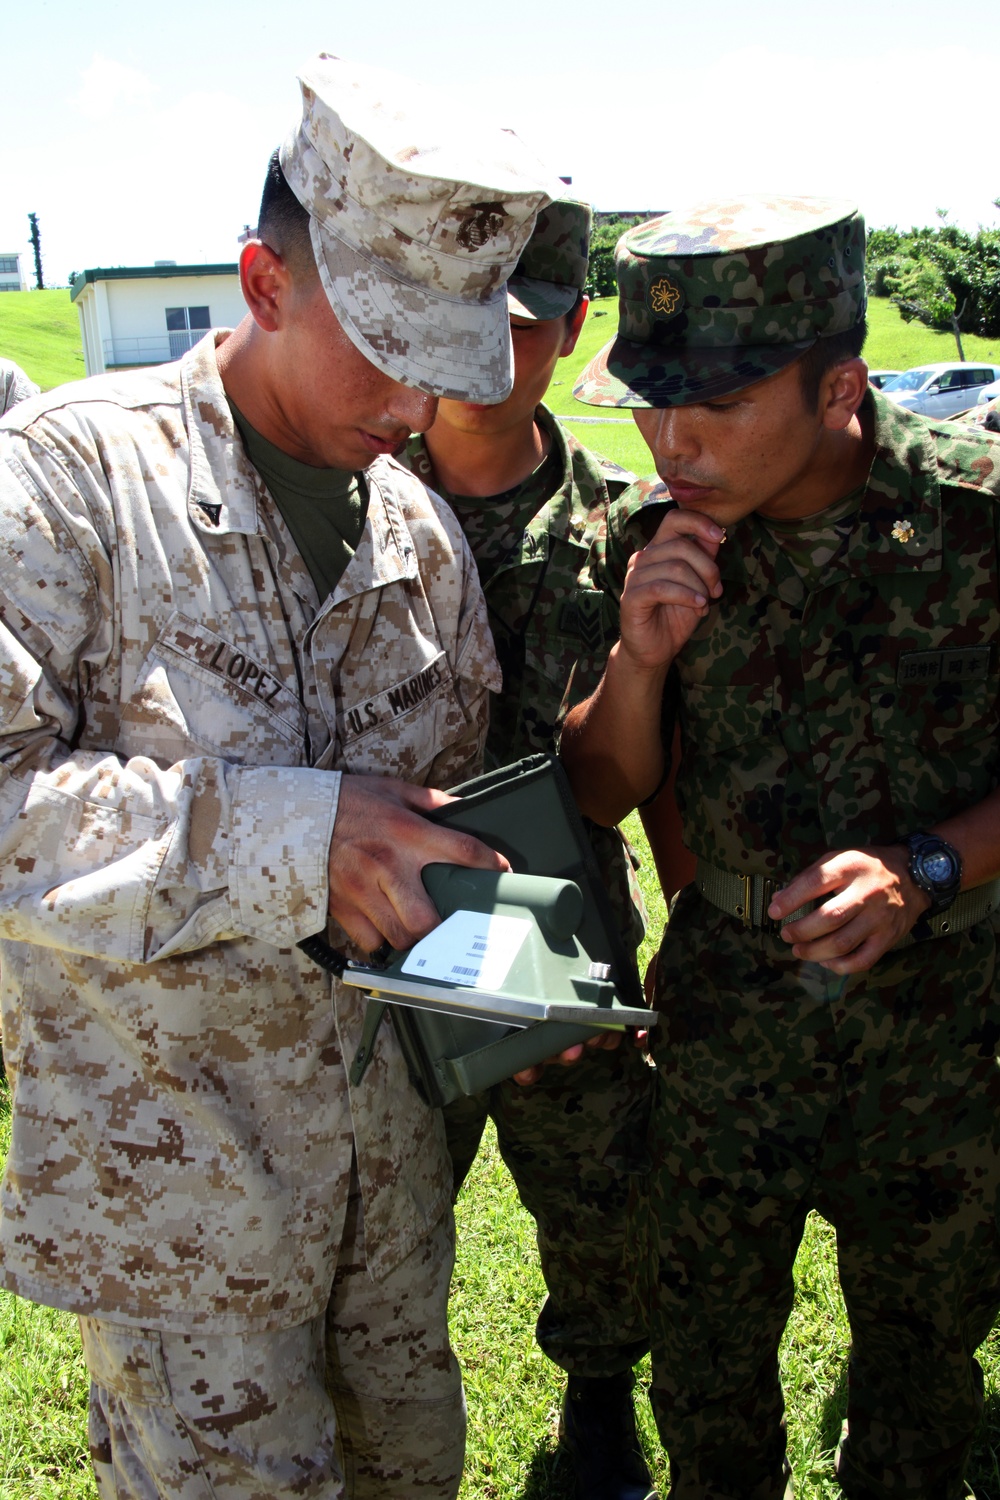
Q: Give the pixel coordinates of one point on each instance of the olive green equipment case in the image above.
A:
(571, 971)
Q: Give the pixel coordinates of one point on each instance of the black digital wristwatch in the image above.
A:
(936, 867)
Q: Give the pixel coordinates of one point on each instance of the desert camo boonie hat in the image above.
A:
(417, 218)
(716, 297)
(552, 270)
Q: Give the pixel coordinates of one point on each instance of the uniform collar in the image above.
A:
(386, 552)
(898, 525)
(898, 528)
(222, 493)
(225, 491)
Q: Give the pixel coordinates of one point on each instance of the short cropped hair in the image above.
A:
(823, 355)
(284, 224)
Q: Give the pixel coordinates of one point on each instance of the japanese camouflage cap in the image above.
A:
(553, 267)
(417, 219)
(716, 297)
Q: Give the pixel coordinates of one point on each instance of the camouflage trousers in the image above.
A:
(365, 1402)
(574, 1144)
(873, 1099)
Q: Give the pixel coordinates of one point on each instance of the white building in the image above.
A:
(11, 275)
(146, 315)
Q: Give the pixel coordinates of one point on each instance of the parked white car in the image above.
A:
(989, 393)
(941, 390)
(878, 378)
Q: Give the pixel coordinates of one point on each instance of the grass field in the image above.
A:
(40, 331)
(513, 1392)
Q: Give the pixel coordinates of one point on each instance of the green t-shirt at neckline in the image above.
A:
(324, 509)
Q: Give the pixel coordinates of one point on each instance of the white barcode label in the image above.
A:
(470, 948)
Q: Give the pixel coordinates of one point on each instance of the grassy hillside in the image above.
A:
(40, 331)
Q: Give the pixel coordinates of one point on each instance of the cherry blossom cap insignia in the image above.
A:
(718, 296)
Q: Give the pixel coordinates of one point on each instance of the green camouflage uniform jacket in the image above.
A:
(860, 710)
(837, 717)
(550, 624)
(546, 615)
(175, 705)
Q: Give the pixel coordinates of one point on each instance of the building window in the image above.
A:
(8, 265)
(185, 326)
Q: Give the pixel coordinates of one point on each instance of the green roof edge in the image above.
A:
(138, 273)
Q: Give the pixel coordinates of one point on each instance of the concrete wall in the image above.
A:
(124, 322)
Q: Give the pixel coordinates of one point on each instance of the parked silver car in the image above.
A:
(879, 378)
(941, 390)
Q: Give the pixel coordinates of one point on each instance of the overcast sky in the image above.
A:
(140, 132)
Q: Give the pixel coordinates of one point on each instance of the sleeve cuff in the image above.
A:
(282, 825)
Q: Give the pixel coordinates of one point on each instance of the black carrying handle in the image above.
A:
(331, 959)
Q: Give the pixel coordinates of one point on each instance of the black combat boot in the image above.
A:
(598, 1433)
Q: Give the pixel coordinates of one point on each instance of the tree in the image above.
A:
(601, 272)
(920, 290)
(943, 276)
(35, 240)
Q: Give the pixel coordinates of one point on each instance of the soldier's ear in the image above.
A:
(266, 281)
(841, 392)
(573, 325)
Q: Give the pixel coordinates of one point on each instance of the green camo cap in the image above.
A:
(719, 296)
(553, 267)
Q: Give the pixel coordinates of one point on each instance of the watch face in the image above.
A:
(939, 867)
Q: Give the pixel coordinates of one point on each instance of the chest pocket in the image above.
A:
(197, 693)
(715, 719)
(399, 730)
(733, 765)
(940, 742)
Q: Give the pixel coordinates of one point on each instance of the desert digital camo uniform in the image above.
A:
(569, 1141)
(183, 1127)
(15, 385)
(833, 717)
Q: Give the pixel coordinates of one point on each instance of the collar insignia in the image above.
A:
(902, 531)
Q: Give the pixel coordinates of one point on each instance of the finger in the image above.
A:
(836, 944)
(827, 918)
(564, 1059)
(676, 592)
(862, 958)
(359, 929)
(450, 846)
(604, 1041)
(667, 560)
(812, 884)
(678, 522)
(399, 911)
